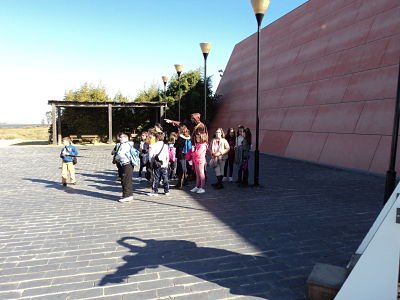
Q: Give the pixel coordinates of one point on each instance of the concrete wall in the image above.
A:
(328, 83)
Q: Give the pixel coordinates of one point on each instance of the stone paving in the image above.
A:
(256, 243)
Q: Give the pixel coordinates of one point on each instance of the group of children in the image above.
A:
(178, 156)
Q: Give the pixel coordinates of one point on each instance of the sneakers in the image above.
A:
(152, 194)
(166, 193)
(201, 191)
(225, 179)
(194, 190)
(230, 179)
(126, 199)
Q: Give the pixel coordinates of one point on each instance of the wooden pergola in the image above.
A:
(56, 105)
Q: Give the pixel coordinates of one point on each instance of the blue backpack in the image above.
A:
(135, 160)
(187, 146)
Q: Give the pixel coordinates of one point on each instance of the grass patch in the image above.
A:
(32, 133)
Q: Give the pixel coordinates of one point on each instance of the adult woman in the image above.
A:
(219, 154)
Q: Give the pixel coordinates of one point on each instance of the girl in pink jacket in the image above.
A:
(199, 161)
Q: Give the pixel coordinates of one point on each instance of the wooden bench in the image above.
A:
(91, 138)
(75, 138)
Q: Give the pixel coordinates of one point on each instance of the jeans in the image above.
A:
(160, 173)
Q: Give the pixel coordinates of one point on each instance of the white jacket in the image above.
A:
(163, 156)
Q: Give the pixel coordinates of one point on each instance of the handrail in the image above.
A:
(375, 276)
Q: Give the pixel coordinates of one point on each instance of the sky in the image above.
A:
(51, 46)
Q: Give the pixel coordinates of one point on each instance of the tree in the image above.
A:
(86, 93)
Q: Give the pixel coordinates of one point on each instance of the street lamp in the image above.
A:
(259, 7)
(205, 48)
(179, 69)
(165, 79)
(390, 183)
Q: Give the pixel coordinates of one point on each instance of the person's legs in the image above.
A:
(71, 171)
(164, 175)
(64, 173)
(226, 169)
(126, 181)
(230, 162)
(156, 179)
(200, 176)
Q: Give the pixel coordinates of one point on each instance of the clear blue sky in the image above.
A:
(50, 46)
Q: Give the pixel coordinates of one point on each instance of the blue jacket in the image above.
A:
(71, 153)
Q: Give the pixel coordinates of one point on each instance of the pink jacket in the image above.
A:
(199, 154)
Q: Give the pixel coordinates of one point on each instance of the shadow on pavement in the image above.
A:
(73, 189)
(241, 274)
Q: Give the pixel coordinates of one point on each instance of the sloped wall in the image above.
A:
(328, 80)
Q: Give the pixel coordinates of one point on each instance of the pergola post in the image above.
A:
(53, 117)
(110, 123)
(59, 125)
(161, 113)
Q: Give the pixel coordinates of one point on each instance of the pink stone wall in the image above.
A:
(328, 80)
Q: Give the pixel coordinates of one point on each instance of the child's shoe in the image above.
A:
(201, 191)
(194, 190)
(126, 199)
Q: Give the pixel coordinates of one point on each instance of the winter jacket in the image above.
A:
(199, 153)
(71, 153)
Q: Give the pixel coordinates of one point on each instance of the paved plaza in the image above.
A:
(237, 243)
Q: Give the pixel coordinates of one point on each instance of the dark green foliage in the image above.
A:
(80, 121)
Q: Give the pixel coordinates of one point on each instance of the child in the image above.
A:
(243, 179)
(199, 162)
(159, 157)
(68, 153)
(172, 155)
(124, 158)
(144, 154)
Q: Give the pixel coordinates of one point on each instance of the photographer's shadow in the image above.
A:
(242, 274)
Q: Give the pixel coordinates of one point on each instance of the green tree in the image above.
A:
(120, 98)
(86, 93)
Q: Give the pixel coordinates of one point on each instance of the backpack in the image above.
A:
(134, 153)
(187, 146)
(171, 153)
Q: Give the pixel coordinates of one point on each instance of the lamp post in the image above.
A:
(259, 7)
(179, 69)
(165, 79)
(205, 48)
(391, 173)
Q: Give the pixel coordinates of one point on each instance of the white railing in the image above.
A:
(375, 276)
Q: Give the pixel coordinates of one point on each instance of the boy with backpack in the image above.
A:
(127, 156)
(159, 158)
(68, 155)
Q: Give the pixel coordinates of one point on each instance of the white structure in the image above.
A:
(375, 276)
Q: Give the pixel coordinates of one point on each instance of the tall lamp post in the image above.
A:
(205, 48)
(165, 79)
(390, 184)
(259, 7)
(179, 69)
